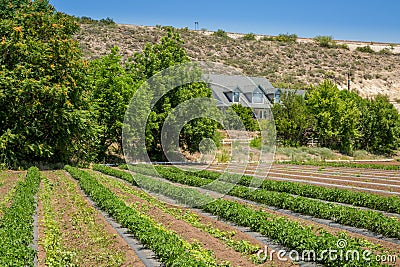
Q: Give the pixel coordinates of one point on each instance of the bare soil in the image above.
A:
(79, 233)
(192, 234)
(354, 178)
(8, 183)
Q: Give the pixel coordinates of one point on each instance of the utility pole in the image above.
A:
(348, 81)
(196, 25)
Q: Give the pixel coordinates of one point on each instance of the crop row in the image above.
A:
(242, 246)
(351, 216)
(288, 233)
(56, 253)
(360, 199)
(5, 199)
(345, 165)
(16, 226)
(168, 246)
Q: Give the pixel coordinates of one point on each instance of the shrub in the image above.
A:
(325, 41)
(256, 143)
(249, 37)
(221, 33)
(286, 38)
(343, 46)
(107, 21)
(365, 49)
(283, 38)
(385, 51)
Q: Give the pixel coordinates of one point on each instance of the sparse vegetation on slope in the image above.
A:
(283, 61)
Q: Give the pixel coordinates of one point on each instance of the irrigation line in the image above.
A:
(339, 169)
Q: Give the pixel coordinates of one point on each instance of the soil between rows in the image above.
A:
(80, 236)
(387, 246)
(192, 234)
(8, 183)
(354, 183)
(316, 170)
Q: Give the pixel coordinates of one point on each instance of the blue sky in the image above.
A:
(373, 20)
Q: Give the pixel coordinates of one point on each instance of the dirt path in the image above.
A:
(84, 231)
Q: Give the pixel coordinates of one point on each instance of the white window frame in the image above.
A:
(260, 94)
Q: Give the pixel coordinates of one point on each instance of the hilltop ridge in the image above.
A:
(291, 65)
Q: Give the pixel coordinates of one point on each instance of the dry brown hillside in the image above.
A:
(295, 65)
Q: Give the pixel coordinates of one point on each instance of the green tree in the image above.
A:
(292, 119)
(380, 126)
(42, 84)
(153, 59)
(336, 116)
(240, 115)
(112, 90)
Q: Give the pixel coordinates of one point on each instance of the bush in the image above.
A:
(249, 37)
(221, 33)
(365, 49)
(283, 38)
(286, 38)
(107, 21)
(256, 143)
(385, 51)
(89, 20)
(325, 41)
(343, 46)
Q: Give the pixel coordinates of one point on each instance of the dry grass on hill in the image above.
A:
(295, 65)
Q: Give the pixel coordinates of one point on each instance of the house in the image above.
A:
(254, 92)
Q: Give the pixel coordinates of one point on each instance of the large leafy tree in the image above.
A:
(380, 126)
(292, 120)
(113, 88)
(158, 57)
(336, 116)
(42, 83)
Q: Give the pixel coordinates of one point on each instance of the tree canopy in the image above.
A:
(339, 119)
(42, 84)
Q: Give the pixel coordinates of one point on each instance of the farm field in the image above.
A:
(385, 182)
(100, 217)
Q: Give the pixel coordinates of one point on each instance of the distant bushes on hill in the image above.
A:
(284, 38)
(88, 20)
(221, 33)
(328, 42)
(249, 37)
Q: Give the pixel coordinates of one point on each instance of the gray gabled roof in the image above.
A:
(246, 84)
(222, 84)
(297, 92)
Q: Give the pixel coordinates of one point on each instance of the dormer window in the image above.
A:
(236, 97)
(258, 97)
